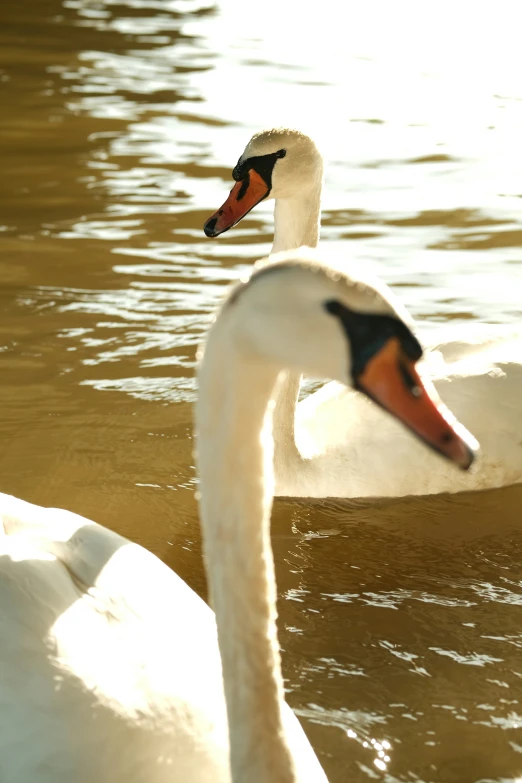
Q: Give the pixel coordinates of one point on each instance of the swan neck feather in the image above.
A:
(297, 221)
(235, 463)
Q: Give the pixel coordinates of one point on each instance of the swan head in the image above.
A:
(298, 313)
(280, 163)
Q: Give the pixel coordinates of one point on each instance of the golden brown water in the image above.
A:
(400, 622)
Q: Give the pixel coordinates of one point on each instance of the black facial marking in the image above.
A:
(263, 164)
(245, 182)
(408, 380)
(368, 333)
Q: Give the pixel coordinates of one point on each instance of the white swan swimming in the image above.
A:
(110, 666)
(332, 446)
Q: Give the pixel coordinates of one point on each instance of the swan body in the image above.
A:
(112, 668)
(110, 662)
(334, 443)
(353, 435)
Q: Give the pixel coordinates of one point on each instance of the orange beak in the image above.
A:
(391, 379)
(242, 198)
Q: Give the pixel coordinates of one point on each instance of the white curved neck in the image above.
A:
(235, 462)
(296, 223)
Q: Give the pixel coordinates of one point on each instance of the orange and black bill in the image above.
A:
(243, 197)
(391, 379)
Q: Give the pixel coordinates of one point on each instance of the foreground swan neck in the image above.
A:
(297, 220)
(235, 463)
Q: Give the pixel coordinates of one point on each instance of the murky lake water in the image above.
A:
(120, 122)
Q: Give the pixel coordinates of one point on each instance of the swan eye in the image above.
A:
(262, 164)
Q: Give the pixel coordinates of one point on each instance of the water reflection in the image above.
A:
(121, 123)
(416, 655)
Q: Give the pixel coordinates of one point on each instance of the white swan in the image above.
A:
(110, 668)
(477, 370)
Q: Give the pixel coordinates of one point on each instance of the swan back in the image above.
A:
(110, 661)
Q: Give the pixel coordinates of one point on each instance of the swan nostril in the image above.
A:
(210, 227)
(447, 437)
(220, 212)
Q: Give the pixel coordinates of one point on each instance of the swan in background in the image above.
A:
(477, 370)
(111, 666)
